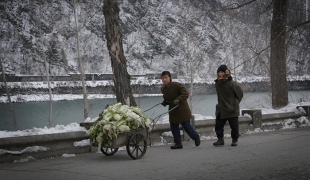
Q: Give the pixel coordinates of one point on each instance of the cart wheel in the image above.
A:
(136, 146)
(108, 151)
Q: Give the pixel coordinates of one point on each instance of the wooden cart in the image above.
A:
(135, 142)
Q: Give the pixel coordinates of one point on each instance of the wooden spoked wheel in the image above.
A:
(136, 146)
(108, 151)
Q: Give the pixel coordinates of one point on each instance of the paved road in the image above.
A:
(282, 154)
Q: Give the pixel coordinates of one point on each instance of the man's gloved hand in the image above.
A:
(164, 103)
(175, 102)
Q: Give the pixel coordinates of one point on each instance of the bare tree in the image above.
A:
(278, 71)
(307, 7)
(277, 45)
(191, 67)
(80, 63)
(8, 94)
(46, 65)
(115, 46)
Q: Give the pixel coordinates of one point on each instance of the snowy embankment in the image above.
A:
(138, 81)
(76, 127)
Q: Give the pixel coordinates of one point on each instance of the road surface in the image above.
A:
(281, 154)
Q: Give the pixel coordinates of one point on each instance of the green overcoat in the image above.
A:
(171, 92)
(229, 95)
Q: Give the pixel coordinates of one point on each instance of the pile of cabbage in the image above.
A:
(114, 120)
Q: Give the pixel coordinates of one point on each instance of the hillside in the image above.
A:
(158, 35)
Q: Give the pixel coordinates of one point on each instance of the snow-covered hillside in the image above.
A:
(158, 35)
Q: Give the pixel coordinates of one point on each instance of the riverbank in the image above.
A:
(149, 88)
(68, 108)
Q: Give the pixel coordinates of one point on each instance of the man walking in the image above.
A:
(229, 95)
(175, 94)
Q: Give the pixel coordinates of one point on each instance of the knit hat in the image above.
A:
(222, 68)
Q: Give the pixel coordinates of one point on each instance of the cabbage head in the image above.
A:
(123, 128)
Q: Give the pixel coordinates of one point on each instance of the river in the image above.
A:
(35, 114)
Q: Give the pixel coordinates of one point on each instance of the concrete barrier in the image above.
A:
(51, 145)
(62, 143)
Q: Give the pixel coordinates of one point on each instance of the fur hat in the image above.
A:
(224, 69)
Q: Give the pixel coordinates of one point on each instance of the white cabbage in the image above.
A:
(116, 119)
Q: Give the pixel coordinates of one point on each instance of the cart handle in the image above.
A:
(167, 111)
(155, 120)
(157, 105)
(152, 107)
(157, 117)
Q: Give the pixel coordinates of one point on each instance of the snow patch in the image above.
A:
(27, 149)
(83, 143)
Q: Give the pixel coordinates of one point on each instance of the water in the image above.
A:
(35, 114)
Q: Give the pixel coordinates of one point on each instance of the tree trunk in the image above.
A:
(191, 67)
(80, 63)
(47, 71)
(278, 79)
(121, 78)
(9, 97)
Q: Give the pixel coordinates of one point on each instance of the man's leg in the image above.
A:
(234, 125)
(219, 130)
(175, 129)
(191, 132)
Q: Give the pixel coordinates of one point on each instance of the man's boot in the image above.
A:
(177, 146)
(197, 141)
(234, 142)
(220, 141)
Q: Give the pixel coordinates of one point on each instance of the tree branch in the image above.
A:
(225, 8)
(237, 5)
(298, 25)
(256, 55)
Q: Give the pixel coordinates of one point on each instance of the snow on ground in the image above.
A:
(38, 131)
(27, 149)
(25, 159)
(85, 142)
(139, 80)
(68, 155)
(29, 158)
(289, 108)
(61, 97)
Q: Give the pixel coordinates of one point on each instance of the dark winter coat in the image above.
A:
(229, 95)
(171, 92)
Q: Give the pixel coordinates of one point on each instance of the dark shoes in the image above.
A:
(177, 146)
(180, 146)
(234, 142)
(219, 142)
(197, 141)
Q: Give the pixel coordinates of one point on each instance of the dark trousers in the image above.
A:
(234, 125)
(175, 129)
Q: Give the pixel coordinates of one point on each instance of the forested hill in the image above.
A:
(157, 35)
